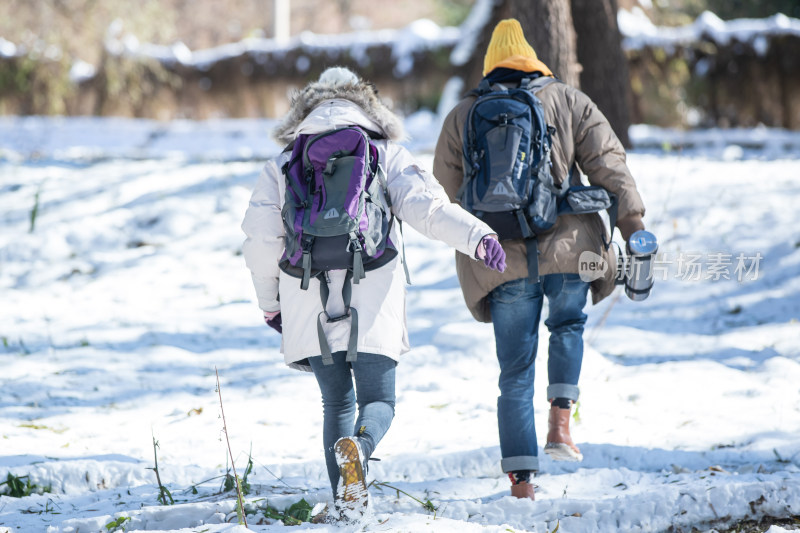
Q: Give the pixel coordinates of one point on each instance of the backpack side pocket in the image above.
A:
(292, 238)
(543, 209)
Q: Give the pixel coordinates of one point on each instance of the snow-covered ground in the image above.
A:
(126, 290)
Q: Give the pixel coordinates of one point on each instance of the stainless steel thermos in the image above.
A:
(642, 248)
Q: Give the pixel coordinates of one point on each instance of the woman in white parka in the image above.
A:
(338, 99)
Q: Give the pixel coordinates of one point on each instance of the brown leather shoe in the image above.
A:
(559, 443)
(522, 490)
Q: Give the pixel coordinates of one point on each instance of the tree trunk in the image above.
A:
(547, 25)
(473, 69)
(604, 76)
(549, 29)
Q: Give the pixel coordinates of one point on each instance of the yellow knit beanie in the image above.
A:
(508, 48)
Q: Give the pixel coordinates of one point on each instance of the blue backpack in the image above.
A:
(507, 182)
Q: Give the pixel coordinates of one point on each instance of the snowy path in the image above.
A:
(130, 291)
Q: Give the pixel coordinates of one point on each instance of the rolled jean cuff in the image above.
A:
(520, 462)
(563, 390)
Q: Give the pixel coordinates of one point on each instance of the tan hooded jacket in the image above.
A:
(584, 136)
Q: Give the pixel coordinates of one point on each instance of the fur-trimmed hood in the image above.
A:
(360, 93)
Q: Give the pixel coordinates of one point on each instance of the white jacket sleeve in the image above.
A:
(265, 243)
(419, 200)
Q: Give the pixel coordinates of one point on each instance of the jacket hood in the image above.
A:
(374, 113)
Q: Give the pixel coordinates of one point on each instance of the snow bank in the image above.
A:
(639, 32)
(8, 49)
(87, 139)
(92, 139)
(730, 143)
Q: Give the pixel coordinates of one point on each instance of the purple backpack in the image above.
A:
(336, 215)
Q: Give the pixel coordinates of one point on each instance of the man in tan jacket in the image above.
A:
(511, 300)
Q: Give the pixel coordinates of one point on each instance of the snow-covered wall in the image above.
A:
(638, 32)
(711, 72)
(246, 78)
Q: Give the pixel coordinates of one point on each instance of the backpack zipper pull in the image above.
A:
(307, 242)
(358, 262)
(476, 157)
(330, 166)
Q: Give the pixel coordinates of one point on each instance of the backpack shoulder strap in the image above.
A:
(374, 135)
(484, 87)
(537, 84)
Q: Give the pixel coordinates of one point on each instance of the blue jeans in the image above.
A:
(516, 308)
(374, 395)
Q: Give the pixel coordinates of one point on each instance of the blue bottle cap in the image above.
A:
(643, 242)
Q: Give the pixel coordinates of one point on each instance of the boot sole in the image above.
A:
(562, 452)
(352, 492)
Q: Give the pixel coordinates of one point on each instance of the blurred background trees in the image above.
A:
(604, 72)
(97, 57)
(78, 27)
(679, 12)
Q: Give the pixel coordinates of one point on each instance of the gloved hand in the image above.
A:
(492, 253)
(273, 320)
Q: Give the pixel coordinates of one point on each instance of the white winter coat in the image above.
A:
(417, 199)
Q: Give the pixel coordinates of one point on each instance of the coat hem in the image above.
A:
(295, 360)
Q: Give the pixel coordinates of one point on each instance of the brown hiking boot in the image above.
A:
(559, 443)
(522, 490)
(351, 497)
(521, 487)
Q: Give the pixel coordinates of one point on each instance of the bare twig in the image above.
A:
(427, 504)
(34, 210)
(265, 467)
(239, 496)
(163, 492)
